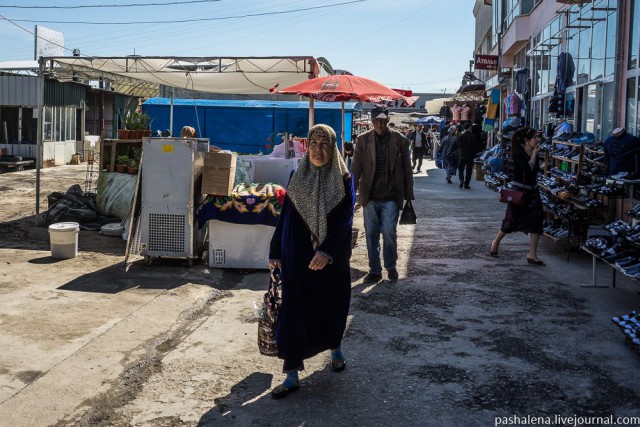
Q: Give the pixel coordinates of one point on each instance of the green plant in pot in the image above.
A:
(134, 160)
(133, 165)
(122, 161)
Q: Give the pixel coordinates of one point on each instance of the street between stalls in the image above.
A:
(460, 339)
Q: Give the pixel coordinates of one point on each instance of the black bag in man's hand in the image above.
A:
(408, 215)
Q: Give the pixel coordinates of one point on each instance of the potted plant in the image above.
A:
(122, 161)
(123, 133)
(132, 166)
(134, 160)
(137, 123)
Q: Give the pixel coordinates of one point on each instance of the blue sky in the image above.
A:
(422, 45)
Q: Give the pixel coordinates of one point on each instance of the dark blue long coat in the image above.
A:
(315, 303)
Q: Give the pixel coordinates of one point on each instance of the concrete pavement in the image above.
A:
(462, 339)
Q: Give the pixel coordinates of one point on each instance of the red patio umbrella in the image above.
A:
(345, 87)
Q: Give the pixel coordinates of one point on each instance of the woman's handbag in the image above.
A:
(514, 197)
(408, 215)
(268, 316)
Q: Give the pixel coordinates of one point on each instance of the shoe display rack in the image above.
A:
(619, 248)
(498, 180)
(566, 156)
(574, 193)
(629, 325)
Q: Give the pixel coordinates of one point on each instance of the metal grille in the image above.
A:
(136, 246)
(91, 176)
(167, 233)
(218, 256)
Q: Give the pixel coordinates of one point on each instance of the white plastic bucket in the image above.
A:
(63, 237)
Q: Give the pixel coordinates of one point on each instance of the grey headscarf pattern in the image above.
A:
(316, 191)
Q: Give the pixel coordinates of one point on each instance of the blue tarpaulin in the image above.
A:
(247, 127)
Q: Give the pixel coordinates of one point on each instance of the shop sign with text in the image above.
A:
(486, 62)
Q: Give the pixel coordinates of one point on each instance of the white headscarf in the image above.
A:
(316, 191)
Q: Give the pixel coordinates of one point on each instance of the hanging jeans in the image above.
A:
(381, 218)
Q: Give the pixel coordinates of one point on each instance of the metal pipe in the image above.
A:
(39, 134)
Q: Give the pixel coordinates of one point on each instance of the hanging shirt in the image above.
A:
(521, 78)
(455, 110)
(465, 111)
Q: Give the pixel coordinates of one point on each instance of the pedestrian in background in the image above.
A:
(312, 247)
(418, 141)
(449, 153)
(529, 217)
(468, 145)
(383, 176)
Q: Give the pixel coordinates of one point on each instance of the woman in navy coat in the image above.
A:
(312, 246)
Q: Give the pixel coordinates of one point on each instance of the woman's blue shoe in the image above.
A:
(338, 362)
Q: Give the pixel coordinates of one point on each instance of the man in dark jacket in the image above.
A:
(468, 145)
(418, 139)
(382, 175)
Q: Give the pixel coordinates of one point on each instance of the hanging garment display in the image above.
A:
(566, 70)
(492, 110)
(512, 104)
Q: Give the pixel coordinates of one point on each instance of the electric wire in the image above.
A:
(221, 18)
(110, 5)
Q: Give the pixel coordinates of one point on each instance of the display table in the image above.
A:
(112, 145)
(247, 204)
(241, 225)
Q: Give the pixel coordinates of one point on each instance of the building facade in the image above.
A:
(578, 60)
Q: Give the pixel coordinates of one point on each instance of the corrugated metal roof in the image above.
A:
(23, 91)
(18, 91)
(350, 106)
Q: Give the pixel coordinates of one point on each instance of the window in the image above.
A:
(48, 124)
(632, 105)
(607, 110)
(598, 46)
(584, 55)
(589, 109)
(634, 34)
(610, 56)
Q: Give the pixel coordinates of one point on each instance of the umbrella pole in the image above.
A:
(342, 133)
(311, 103)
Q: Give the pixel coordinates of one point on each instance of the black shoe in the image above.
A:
(461, 185)
(392, 274)
(282, 391)
(372, 278)
(467, 187)
(449, 181)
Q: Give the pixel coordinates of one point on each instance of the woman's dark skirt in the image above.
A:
(527, 218)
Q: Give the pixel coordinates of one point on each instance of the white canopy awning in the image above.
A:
(141, 76)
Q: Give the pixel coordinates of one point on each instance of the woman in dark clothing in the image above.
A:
(312, 247)
(449, 153)
(529, 217)
(468, 144)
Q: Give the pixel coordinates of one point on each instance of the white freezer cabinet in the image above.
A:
(171, 175)
(239, 245)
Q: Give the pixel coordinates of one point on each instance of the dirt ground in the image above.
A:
(462, 339)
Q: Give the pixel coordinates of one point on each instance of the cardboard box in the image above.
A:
(219, 173)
